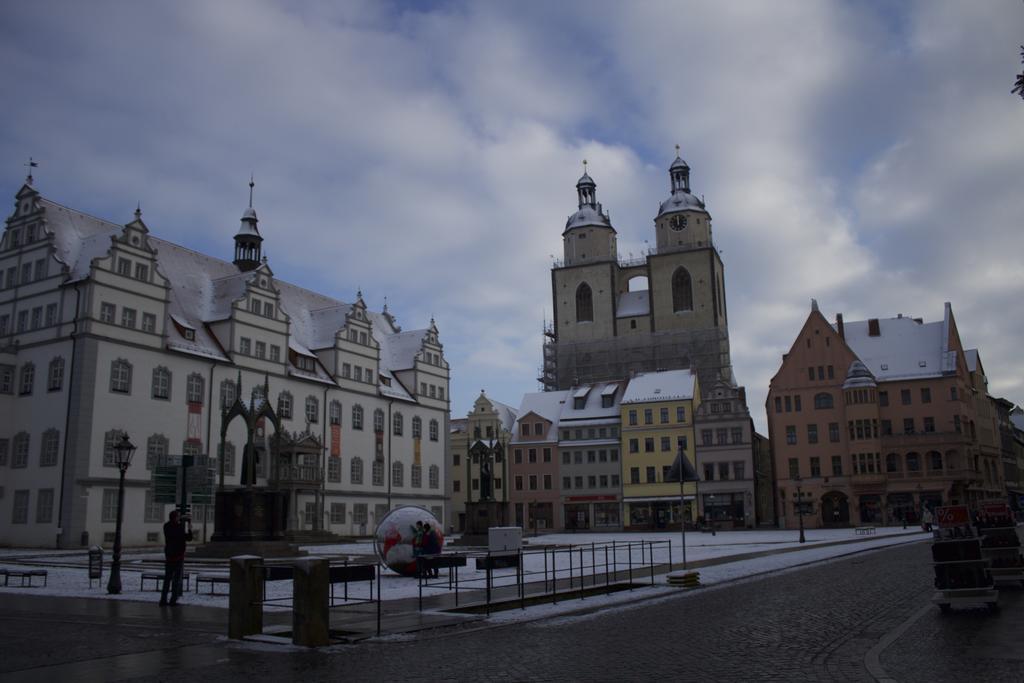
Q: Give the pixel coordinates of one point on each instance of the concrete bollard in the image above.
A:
(245, 608)
(311, 616)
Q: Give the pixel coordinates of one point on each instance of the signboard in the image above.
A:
(200, 485)
(995, 509)
(951, 516)
(165, 484)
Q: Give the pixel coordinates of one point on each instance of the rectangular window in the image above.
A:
(6, 379)
(791, 434)
(268, 309)
(533, 482)
(634, 475)
(833, 432)
(738, 469)
(810, 374)
(22, 321)
(666, 443)
(148, 322)
(51, 315)
(736, 434)
(5, 322)
(652, 475)
(128, 318)
(108, 510)
(815, 466)
(5, 445)
(831, 370)
(547, 455)
(778, 404)
(789, 403)
(721, 436)
(634, 445)
(107, 313)
(649, 444)
(337, 513)
(905, 396)
(244, 346)
(908, 425)
(566, 482)
(517, 455)
(706, 437)
(926, 395)
(723, 470)
(664, 415)
(837, 465)
(794, 468)
(20, 513)
(50, 447)
(812, 433)
(275, 353)
(648, 416)
(929, 424)
(142, 272)
(796, 403)
(680, 414)
(124, 267)
(883, 398)
(154, 512)
(261, 349)
(578, 482)
(532, 454)
(37, 317)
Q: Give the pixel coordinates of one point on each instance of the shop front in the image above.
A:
(870, 507)
(646, 514)
(591, 512)
(724, 509)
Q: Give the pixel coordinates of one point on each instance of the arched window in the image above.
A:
(56, 378)
(161, 382)
(194, 388)
(397, 424)
(417, 427)
(335, 412)
(227, 393)
(378, 420)
(357, 417)
(110, 438)
(435, 476)
(156, 451)
(284, 405)
(416, 476)
(913, 462)
(892, 463)
(397, 474)
(433, 430)
(357, 470)
(682, 291)
(823, 400)
(50, 447)
(121, 376)
(312, 409)
(584, 304)
(378, 473)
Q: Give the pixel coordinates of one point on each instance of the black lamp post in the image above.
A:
(800, 505)
(123, 452)
(711, 514)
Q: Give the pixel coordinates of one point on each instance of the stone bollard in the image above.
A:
(245, 609)
(310, 601)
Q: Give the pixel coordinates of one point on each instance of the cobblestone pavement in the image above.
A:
(814, 623)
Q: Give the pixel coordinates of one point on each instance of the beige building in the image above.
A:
(488, 425)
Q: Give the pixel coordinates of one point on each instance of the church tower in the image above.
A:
(663, 311)
(248, 241)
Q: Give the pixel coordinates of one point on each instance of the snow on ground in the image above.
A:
(622, 549)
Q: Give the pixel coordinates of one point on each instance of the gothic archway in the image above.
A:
(682, 291)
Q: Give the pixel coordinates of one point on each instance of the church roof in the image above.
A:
(681, 201)
(588, 216)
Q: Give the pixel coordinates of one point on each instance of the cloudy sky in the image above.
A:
(866, 154)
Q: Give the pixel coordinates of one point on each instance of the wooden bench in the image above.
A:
(213, 580)
(864, 530)
(158, 578)
(26, 576)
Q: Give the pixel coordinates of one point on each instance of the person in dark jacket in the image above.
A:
(177, 533)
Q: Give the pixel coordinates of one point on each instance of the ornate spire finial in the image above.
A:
(30, 165)
(677, 150)
(252, 184)
(584, 166)
(138, 211)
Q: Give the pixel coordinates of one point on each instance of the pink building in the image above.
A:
(535, 492)
(871, 421)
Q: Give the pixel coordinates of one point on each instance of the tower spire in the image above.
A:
(252, 184)
(31, 164)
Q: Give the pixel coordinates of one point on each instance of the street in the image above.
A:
(814, 623)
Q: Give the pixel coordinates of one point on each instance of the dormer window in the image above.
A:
(190, 335)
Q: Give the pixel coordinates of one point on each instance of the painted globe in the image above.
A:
(398, 540)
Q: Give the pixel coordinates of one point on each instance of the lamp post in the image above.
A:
(800, 505)
(711, 515)
(123, 452)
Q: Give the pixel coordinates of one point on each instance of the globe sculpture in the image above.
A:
(395, 539)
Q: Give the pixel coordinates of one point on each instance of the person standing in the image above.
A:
(177, 533)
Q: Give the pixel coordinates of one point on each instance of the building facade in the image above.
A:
(536, 474)
(487, 426)
(658, 411)
(107, 329)
(873, 420)
(725, 458)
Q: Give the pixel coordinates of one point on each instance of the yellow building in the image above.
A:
(657, 421)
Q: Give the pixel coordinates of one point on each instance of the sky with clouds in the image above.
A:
(866, 154)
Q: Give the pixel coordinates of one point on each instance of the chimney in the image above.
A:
(743, 395)
(873, 330)
(839, 326)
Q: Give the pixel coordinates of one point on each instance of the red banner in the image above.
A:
(335, 441)
(952, 516)
(195, 423)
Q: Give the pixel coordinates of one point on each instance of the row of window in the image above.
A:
(139, 272)
(531, 455)
(44, 506)
(29, 232)
(592, 456)
(822, 401)
(868, 429)
(30, 272)
(906, 396)
(663, 416)
(27, 377)
(261, 307)
(590, 433)
(475, 484)
(871, 463)
(129, 317)
(665, 444)
(431, 390)
(357, 373)
(822, 372)
(25, 323)
(722, 436)
(358, 336)
(18, 448)
(738, 470)
(246, 348)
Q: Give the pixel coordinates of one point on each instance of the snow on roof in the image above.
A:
(203, 289)
(681, 201)
(588, 216)
(506, 413)
(903, 349)
(610, 389)
(971, 356)
(547, 404)
(668, 385)
(633, 303)
(592, 407)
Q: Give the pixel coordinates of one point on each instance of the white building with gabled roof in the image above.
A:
(107, 329)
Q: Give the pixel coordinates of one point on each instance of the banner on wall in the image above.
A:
(195, 422)
(335, 441)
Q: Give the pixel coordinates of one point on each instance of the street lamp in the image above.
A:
(123, 452)
(800, 505)
(711, 515)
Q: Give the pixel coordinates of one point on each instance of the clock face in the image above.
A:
(678, 222)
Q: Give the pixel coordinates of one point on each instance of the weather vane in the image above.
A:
(584, 167)
(252, 184)
(31, 164)
(677, 150)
